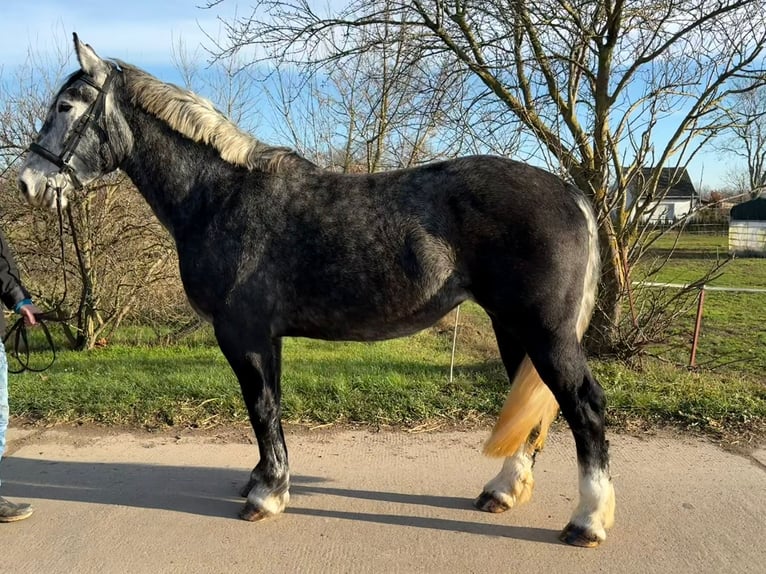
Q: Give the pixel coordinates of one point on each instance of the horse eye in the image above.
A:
(64, 107)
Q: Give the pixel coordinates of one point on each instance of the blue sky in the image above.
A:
(145, 33)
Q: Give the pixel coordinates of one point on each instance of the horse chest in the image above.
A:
(206, 277)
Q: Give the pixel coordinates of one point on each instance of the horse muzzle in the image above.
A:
(44, 191)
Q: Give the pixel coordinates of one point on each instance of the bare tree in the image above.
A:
(382, 109)
(601, 89)
(747, 138)
(233, 89)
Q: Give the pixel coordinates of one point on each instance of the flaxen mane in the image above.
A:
(198, 119)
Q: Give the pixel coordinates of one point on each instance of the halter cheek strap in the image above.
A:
(91, 116)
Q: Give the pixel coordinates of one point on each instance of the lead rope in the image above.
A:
(18, 331)
(20, 348)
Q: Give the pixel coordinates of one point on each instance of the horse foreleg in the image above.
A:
(257, 366)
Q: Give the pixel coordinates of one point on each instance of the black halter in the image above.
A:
(91, 116)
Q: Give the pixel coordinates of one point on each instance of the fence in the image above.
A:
(700, 306)
(714, 228)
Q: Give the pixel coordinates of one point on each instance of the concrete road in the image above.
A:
(368, 502)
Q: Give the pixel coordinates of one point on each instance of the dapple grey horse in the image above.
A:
(271, 246)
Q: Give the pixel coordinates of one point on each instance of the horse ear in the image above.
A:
(90, 63)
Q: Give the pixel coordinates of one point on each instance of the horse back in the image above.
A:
(380, 255)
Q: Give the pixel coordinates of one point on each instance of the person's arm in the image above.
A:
(12, 292)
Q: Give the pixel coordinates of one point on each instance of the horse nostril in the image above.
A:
(23, 187)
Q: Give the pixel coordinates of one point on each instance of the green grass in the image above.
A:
(403, 381)
(711, 244)
(722, 403)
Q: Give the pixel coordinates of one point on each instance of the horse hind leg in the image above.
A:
(562, 365)
(518, 435)
(521, 428)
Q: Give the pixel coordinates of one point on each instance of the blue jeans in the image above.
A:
(3, 398)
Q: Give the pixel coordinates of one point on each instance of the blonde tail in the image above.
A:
(529, 404)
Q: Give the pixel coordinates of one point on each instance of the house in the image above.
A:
(674, 198)
(747, 228)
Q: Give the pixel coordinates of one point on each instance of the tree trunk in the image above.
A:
(602, 335)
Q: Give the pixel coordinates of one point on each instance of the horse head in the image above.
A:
(84, 135)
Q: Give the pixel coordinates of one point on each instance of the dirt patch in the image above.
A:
(734, 440)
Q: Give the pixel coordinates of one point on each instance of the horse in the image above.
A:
(271, 246)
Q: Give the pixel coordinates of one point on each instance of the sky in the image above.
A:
(147, 32)
(144, 34)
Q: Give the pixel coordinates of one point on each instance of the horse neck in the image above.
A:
(171, 172)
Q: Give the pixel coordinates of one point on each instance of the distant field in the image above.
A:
(733, 333)
(694, 241)
(692, 255)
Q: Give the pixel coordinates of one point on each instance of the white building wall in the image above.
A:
(682, 207)
(747, 237)
(669, 210)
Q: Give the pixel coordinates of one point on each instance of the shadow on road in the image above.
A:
(212, 492)
(500, 530)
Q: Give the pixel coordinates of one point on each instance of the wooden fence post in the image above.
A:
(697, 325)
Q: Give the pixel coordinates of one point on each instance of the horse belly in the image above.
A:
(377, 322)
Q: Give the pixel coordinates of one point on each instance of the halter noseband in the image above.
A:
(91, 116)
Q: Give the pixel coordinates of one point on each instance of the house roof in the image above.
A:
(753, 210)
(682, 187)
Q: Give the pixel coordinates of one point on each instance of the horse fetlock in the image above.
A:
(262, 505)
(245, 490)
(595, 512)
(512, 486)
(267, 481)
(607, 509)
(499, 499)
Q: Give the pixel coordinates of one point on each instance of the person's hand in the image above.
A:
(28, 312)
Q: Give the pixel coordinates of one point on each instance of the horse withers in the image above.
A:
(269, 246)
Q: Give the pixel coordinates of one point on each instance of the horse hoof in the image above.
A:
(579, 536)
(252, 513)
(488, 502)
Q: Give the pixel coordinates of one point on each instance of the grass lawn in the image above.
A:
(402, 381)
